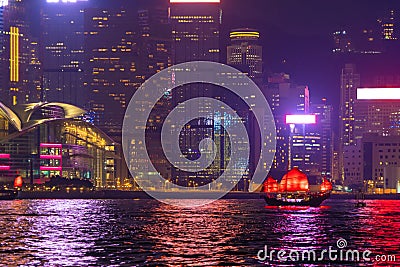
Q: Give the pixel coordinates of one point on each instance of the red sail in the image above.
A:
(270, 185)
(294, 181)
(326, 185)
(18, 182)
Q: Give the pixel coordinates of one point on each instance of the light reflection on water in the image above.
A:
(149, 233)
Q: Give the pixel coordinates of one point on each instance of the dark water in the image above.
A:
(224, 233)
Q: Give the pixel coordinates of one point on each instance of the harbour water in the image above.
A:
(224, 233)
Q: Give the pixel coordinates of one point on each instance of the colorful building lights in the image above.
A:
(52, 155)
(14, 54)
(244, 34)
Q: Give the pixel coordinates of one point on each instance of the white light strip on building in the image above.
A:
(378, 93)
(301, 119)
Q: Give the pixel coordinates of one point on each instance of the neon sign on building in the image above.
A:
(301, 119)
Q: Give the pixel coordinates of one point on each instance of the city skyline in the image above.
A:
(296, 39)
(96, 56)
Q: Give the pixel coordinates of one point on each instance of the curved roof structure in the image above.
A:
(11, 117)
(22, 118)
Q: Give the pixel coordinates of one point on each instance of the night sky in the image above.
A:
(297, 32)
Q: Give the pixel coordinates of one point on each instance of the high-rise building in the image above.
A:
(245, 53)
(353, 165)
(111, 65)
(16, 53)
(62, 52)
(155, 55)
(350, 81)
(195, 27)
(381, 158)
(376, 110)
(304, 142)
(195, 30)
(324, 111)
(155, 40)
(284, 97)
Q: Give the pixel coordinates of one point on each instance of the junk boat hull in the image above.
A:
(311, 201)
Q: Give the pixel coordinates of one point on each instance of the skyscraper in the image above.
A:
(350, 81)
(62, 51)
(195, 30)
(324, 126)
(376, 110)
(285, 97)
(245, 53)
(111, 65)
(155, 40)
(16, 53)
(196, 37)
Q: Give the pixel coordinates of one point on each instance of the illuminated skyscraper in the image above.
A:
(16, 53)
(62, 51)
(155, 40)
(196, 37)
(324, 126)
(376, 111)
(245, 53)
(304, 143)
(111, 65)
(285, 98)
(195, 30)
(350, 81)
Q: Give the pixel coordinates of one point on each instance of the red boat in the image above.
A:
(295, 190)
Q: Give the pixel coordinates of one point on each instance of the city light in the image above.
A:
(241, 34)
(378, 93)
(301, 119)
(3, 3)
(195, 1)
